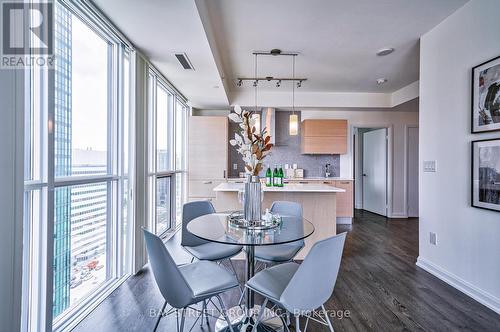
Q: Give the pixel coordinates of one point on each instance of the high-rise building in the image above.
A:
(62, 160)
(80, 211)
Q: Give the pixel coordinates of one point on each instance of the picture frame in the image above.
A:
(485, 97)
(485, 174)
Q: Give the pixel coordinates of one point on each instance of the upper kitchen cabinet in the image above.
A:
(208, 147)
(324, 136)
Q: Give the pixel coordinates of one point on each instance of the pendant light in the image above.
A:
(293, 122)
(255, 115)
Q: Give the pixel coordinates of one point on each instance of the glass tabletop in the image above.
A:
(217, 228)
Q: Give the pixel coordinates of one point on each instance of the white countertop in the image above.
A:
(291, 187)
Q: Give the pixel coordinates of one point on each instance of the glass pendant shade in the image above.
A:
(294, 125)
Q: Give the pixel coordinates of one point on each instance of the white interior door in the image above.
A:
(375, 171)
(412, 172)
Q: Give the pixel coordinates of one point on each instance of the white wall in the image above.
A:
(11, 197)
(467, 253)
(397, 122)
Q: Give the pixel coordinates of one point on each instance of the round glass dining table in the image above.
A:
(216, 227)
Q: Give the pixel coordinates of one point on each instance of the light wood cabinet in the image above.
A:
(345, 203)
(208, 147)
(207, 155)
(324, 136)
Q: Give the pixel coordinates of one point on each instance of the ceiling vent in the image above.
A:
(184, 60)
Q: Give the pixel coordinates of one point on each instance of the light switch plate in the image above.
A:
(429, 166)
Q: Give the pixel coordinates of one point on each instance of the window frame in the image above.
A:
(156, 81)
(38, 255)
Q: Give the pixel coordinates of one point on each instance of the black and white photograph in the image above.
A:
(486, 174)
(486, 96)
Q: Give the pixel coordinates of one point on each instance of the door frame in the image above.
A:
(390, 148)
(406, 165)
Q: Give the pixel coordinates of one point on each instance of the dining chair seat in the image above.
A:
(272, 281)
(278, 253)
(212, 251)
(206, 279)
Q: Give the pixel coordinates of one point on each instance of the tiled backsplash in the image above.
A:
(286, 151)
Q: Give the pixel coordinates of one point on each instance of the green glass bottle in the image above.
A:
(275, 176)
(281, 177)
(269, 177)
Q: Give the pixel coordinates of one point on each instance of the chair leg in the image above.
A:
(261, 312)
(160, 316)
(235, 274)
(204, 305)
(224, 313)
(327, 318)
(183, 318)
(297, 323)
(241, 298)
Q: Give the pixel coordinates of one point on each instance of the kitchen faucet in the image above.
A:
(327, 170)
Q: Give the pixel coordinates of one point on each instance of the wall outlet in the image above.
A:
(235, 166)
(433, 238)
(429, 166)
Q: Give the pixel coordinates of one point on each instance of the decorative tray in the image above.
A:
(236, 219)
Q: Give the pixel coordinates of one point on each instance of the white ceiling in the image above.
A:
(336, 39)
(160, 28)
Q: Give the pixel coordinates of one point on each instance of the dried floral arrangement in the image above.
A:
(252, 145)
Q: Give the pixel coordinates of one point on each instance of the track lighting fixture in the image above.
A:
(278, 84)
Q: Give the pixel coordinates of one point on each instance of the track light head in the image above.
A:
(278, 84)
(255, 83)
(299, 84)
(240, 83)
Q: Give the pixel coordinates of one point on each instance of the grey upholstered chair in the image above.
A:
(281, 253)
(301, 289)
(201, 249)
(185, 285)
(198, 248)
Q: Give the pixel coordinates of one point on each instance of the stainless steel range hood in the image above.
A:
(268, 121)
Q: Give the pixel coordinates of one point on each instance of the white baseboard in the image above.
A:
(344, 221)
(465, 287)
(398, 215)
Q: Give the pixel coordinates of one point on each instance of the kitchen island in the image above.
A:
(318, 202)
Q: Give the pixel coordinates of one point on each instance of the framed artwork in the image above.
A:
(486, 96)
(486, 174)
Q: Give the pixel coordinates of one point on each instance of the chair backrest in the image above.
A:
(313, 283)
(191, 211)
(285, 208)
(169, 279)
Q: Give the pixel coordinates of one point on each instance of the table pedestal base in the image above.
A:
(241, 322)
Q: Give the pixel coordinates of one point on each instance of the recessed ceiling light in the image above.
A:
(381, 80)
(385, 51)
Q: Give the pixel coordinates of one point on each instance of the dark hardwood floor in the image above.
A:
(379, 288)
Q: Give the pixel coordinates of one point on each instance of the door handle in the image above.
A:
(207, 182)
(224, 174)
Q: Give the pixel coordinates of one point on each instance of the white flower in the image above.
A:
(234, 117)
(237, 109)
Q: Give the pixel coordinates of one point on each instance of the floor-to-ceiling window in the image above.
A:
(167, 123)
(77, 189)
